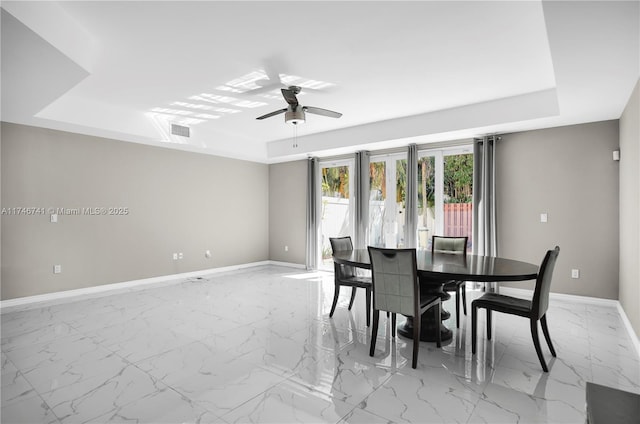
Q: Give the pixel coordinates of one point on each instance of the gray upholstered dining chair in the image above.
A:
(457, 246)
(345, 275)
(534, 309)
(396, 289)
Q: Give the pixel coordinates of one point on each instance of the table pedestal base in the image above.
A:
(427, 329)
(428, 325)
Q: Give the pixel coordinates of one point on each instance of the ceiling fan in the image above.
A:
(295, 112)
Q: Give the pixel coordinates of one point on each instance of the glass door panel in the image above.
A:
(400, 202)
(458, 196)
(426, 201)
(388, 179)
(336, 207)
(377, 203)
(445, 196)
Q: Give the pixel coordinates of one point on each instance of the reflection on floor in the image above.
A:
(257, 345)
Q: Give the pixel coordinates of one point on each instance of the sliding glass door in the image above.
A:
(444, 199)
(336, 213)
(387, 200)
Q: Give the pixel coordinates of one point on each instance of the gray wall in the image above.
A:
(178, 202)
(287, 211)
(568, 173)
(630, 209)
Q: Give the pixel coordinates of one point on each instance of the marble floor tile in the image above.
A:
(417, 396)
(97, 396)
(289, 402)
(164, 406)
(360, 416)
(28, 411)
(258, 345)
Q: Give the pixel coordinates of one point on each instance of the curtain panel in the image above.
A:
(361, 199)
(484, 196)
(311, 260)
(484, 199)
(411, 200)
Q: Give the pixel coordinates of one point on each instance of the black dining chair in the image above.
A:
(396, 289)
(456, 246)
(345, 275)
(534, 309)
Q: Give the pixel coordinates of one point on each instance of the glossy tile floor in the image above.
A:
(257, 345)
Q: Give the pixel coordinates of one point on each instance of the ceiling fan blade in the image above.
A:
(290, 96)
(274, 113)
(323, 112)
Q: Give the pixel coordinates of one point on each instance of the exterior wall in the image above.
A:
(629, 294)
(177, 202)
(568, 173)
(287, 211)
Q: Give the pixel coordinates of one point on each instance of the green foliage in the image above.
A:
(377, 180)
(335, 182)
(458, 178)
(426, 183)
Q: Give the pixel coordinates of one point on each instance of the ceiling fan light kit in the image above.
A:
(295, 117)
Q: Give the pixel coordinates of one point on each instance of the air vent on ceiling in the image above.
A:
(180, 130)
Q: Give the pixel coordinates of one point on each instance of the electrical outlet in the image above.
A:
(575, 273)
(543, 217)
(180, 255)
(57, 269)
(286, 248)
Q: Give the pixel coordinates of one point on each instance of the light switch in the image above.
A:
(54, 217)
(575, 273)
(543, 217)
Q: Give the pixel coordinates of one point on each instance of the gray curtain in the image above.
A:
(484, 199)
(312, 214)
(411, 206)
(361, 198)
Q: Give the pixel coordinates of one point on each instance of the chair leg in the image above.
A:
(374, 331)
(489, 324)
(368, 297)
(416, 341)
(463, 289)
(393, 325)
(536, 343)
(336, 294)
(458, 307)
(474, 315)
(438, 312)
(545, 330)
(353, 296)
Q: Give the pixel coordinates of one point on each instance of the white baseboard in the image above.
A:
(526, 293)
(630, 330)
(10, 304)
(582, 299)
(288, 264)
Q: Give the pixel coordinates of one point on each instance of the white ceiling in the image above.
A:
(398, 71)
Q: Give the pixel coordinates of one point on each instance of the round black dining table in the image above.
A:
(435, 269)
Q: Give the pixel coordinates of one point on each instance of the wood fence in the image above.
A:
(458, 218)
